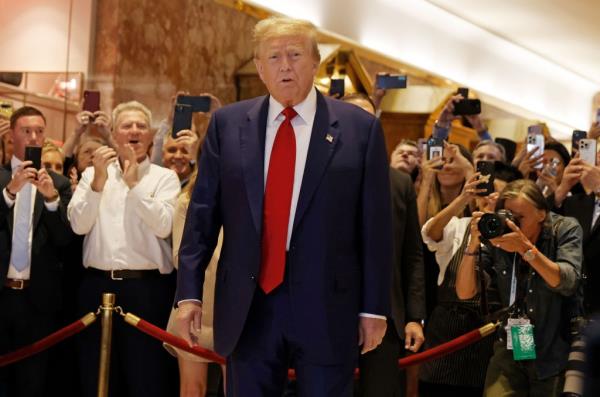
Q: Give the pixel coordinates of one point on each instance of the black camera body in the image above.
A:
(494, 225)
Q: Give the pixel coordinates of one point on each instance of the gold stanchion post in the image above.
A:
(107, 308)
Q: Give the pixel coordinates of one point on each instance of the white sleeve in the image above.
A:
(157, 210)
(84, 205)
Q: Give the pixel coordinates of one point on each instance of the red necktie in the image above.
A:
(277, 203)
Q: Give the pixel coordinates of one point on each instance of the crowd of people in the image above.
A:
(342, 258)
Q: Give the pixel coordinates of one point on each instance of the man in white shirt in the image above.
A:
(33, 229)
(124, 206)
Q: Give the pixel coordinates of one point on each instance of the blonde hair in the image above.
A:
(131, 106)
(525, 188)
(275, 27)
(50, 146)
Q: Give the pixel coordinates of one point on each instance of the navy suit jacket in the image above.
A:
(339, 259)
(51, 233)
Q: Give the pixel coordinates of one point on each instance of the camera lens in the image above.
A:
(490, 226)
(494, 225)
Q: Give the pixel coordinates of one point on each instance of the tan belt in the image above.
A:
(13, 283)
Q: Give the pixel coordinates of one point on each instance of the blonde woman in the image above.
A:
(193, 369)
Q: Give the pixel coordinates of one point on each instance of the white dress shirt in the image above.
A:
(451, 241)
(53, 206)
(126, 228)
(302, 124)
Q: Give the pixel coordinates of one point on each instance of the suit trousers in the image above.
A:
(140, 366)
(21, 324)
(379, 372)
(269, 345)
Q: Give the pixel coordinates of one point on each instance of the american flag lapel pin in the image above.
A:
(329, 138)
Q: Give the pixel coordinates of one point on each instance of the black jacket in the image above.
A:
(408, 289)
(51, 232)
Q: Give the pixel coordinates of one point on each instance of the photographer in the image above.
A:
(535, 267)
(447, 234)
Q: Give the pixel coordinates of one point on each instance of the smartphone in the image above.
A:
(577, 136)
(598, 115)
(467, 107)
(435, 149)
(587, 150)
(463, 91)
(337, 86)
(34, 154)
(486, 169)
(391, 81)
(198, 103)
(91, 101)
(535, 139)
(182, 119)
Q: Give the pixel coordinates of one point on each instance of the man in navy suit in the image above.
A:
(300, 185)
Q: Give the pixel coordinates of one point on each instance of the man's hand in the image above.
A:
(84, 119)
(590, 178)
(414, 337)
(102, 157)
(454, 158)
(23, 175)
(378, 93)
(130, 166)
(571, 176)
(73, 178)
(190, 141)
(530, 161)
(594, 132)
(476, 123)
(45, 185)
(447, 114)
(188, 318)
(102, 123)
(370, 333)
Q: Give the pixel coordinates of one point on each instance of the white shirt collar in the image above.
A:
(305, 109)
(14, 163)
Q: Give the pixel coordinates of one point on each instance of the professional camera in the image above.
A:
(494, 225)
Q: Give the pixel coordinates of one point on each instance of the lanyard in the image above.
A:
(513, 282)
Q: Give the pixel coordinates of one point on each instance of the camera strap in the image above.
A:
(485, 310)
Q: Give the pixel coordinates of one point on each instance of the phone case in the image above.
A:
(486, 168)
(587, 150)
(198, 103)
(34, 154)
(182, 119)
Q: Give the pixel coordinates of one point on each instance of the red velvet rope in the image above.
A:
(441, 350)
(45, 343)
(414, 359)
(173, 340)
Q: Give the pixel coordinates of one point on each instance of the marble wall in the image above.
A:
(147, 50)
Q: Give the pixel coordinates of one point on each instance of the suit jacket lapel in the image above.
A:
(252, 145)
(323, 140)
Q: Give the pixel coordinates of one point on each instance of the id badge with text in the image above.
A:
(509, 325)
(523, 342)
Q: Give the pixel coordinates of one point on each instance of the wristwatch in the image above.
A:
(530, 254)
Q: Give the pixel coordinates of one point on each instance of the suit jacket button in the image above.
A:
(252, 277)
